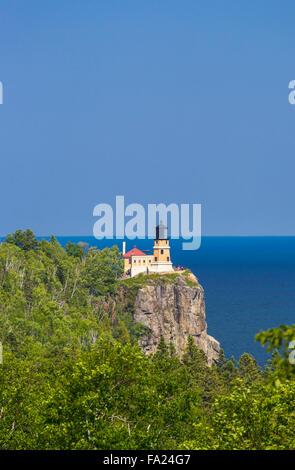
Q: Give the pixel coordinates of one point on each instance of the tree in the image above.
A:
(25, 240)
(278, 340)
(162, 353)
(74, 377)
(101, 270)
(194, 358)
(75, 250)
(200, 374)
(249, 368)
(226, 370)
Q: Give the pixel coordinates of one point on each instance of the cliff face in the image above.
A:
(174, 311)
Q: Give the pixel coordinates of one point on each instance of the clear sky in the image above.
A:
(158, 100)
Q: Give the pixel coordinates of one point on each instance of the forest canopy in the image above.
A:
(74, 377)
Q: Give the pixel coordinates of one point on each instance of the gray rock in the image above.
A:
(175, 311)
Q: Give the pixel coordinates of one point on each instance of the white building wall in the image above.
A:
(162, 267)
(140, 264)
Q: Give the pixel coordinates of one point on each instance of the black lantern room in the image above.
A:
(161, 232)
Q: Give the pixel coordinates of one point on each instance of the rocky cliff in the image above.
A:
(173, 306)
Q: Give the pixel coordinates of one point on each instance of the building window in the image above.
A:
(143, 261)
(156, 259)
(134, 261)
(168, 258)
(162, 251)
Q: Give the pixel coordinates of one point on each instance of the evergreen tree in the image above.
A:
(249, 369)
(25, 240)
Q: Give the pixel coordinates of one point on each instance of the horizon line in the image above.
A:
(147, 238)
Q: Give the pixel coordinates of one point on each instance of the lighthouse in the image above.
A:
(136, 261)
(161, 259)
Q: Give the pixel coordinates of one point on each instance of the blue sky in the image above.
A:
(160, 101)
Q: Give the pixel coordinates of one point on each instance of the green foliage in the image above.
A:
(263, 419)
(278, 341)
(249, 369)
(74, 376)
(190, 280)
(135, 330)
(25, 240)
(74, 249)
(46, 296)
(101, 269)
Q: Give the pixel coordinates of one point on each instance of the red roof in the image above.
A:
(134, 252)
